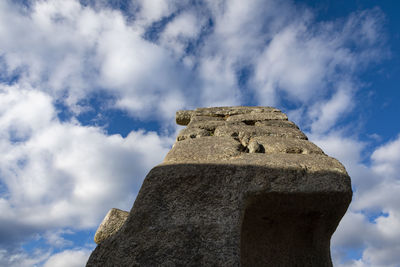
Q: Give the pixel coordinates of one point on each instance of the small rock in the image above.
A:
(188, 133)
(183, 117)
(254, 147)
(113, 221)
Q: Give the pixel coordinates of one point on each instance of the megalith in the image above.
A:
(241, 186)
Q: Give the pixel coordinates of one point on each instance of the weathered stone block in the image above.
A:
(204, 149)
(188, 133)
(255, 192)
(287, 145)
(249, 131)
(252, 118)
(113, 221)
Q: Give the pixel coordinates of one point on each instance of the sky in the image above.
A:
(89, 91)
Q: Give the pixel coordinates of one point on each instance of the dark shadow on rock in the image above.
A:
(229, 215)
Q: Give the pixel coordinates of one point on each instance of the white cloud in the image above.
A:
(151, 11)
(243, 29)
(21, 259)
(325, 115)
(371, 226)
(70, 51)
(19, 109)
(228, 91)
(294, 64)
(184, 28)
(68, 258)
(56, 240)
(184, 25)
(387, 158)
(312, 65)
(64, 175)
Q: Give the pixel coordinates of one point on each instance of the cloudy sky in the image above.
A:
(89, 90)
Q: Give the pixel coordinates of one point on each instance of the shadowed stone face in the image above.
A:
(242, 186)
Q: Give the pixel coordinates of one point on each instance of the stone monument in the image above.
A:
(242, 186)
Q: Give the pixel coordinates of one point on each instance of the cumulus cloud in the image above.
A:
(370, 228)
(7, 258)
(58, 175)
(150, 11)
(72, 50)
(387, 157)
(313, 65)
(68, 258)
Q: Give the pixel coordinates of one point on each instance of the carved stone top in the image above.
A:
(260, 136)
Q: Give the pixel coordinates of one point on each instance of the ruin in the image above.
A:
(242, 186)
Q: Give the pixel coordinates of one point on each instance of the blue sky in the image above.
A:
(89, 90)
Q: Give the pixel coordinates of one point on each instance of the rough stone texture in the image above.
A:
(251, 118)
(246, 132)
(183, 117)
(277, 123)
(113, 221)
(251, 192)
(205, 119)
(255, 147)
(204, 149)
(287, 145)
(207, 125)
(192, 133)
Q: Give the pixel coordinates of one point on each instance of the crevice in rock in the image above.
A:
(294, 150)
(251, 147)
(249, 122)
(242, 148)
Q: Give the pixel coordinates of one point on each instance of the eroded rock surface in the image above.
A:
(113, 221)
(242, 186)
